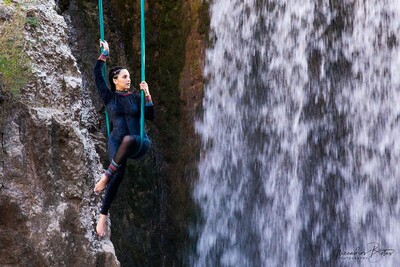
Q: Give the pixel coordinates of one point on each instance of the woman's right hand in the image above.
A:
(104, 44)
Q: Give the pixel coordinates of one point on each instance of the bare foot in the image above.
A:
(101, 227)
(101, 184)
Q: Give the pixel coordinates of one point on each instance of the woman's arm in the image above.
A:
(101, 83)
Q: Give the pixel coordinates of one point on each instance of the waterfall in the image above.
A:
(299, 160)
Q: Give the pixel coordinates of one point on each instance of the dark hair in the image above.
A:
(112, 74)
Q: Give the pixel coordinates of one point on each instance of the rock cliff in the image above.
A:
(49, 160)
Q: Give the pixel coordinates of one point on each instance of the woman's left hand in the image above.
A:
(144, 86)
(104, 45)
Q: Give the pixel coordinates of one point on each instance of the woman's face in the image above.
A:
(123, 80)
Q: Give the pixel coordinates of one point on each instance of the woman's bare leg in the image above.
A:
(101, 185)
(101, 227)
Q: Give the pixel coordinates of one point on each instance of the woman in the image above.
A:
(124, 141)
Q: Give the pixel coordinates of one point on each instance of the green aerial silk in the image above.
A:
(101, 22)
(142, 45)
(143, 54)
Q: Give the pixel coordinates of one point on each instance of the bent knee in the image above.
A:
(129, 140)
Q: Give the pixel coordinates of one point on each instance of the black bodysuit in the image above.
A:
(124, 113)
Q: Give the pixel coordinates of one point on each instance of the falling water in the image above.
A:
(299, 134)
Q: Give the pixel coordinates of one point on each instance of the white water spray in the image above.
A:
(300, 155)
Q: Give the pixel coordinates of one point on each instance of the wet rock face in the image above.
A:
(48, 157)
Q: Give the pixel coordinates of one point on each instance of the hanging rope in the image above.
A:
(143, 77)
(101, 22)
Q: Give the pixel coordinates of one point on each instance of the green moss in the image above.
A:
(14, 62)
(13, 73)
(32, 22)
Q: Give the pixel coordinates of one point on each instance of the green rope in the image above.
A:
(143, 77)
(101, 22)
